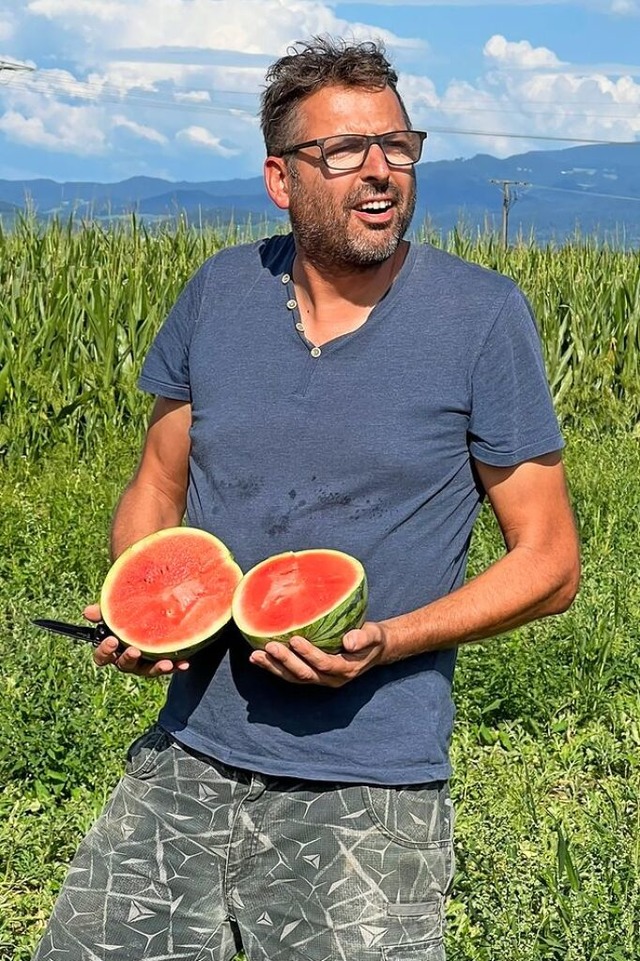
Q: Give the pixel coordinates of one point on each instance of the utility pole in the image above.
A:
(509, 197)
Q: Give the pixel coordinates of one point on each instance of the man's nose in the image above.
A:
(375, 165)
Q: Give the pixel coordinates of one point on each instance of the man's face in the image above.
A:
(332, 212)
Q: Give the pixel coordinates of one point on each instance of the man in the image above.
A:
(337, 388)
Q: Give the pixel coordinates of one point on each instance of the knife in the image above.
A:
(80, 632)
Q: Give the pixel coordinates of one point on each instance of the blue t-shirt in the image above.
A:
(366, 448)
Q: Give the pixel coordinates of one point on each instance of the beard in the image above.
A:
(324, 227)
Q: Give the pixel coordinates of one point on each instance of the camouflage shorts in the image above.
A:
(193, 861)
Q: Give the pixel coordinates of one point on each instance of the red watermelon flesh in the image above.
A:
(319, 594)
(170, 593)
(295, 589)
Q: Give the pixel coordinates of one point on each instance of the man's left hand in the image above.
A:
(302, 663)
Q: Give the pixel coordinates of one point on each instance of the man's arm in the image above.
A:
(154, 499)
(537, 576)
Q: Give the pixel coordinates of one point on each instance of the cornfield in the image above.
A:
(80, 303)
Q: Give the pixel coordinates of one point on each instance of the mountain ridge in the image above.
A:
(594, 190)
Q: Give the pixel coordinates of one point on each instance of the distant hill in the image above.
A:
(592, 189)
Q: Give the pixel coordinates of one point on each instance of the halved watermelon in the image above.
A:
(170, 593)
(318, 594)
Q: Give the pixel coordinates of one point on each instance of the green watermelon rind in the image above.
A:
(197, 642)
(179, 653)
(325, 632)
(171, 654)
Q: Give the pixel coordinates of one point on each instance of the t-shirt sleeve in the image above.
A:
(512, 417)
(165, 371)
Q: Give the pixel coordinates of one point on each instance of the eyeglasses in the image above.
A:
(348, 151)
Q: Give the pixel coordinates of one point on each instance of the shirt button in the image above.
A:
(315, 352)
(292, 304)
(286, 278)
(300, 327)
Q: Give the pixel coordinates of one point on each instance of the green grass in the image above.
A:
(547, 740)
(65, 724)
(546, 746)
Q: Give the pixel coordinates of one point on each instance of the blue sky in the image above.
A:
(169, 88)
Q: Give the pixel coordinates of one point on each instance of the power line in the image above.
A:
(105, 93)
(533, 136)
(509, 197)
(459, 106)
(99, 88)
(110, 93)
(584, 193)
(115, 98)
(11, 66)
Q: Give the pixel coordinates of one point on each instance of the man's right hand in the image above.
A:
(129, 661)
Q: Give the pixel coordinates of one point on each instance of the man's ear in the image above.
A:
(276, 180)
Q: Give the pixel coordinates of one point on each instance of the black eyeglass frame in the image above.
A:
(369, 140)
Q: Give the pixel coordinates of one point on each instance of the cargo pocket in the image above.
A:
(419, 951)
(144, 754)
(419, 821)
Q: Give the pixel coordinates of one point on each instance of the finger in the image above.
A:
(339, 664)
(320, 660)
(279, 661)
(106, 652)
(92, 612)
(159, 668)
(359, 640)
(131, 661)
(262, 660)
(127, 661)
(364, 648)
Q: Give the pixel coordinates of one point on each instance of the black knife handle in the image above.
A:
(101, 631)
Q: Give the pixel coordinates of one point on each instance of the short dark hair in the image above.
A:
(311, 65)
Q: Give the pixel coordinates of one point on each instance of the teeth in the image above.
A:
(376, 205)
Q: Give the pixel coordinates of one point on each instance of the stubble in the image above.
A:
(326, 231)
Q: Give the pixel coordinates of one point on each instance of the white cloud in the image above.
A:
(418, 93)
(527, 93)
(189, 72)
(194, 96)
(252, 26)
(62, 130)
(139, 130)
(211, 59)
(201, 137)
(53, 83)
(126, 78)
(102, 10)
(210, 33)
(519, 55)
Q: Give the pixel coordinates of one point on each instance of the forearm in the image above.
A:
(142, 509)
(156, 496)
(518, 588)
(537, 576)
